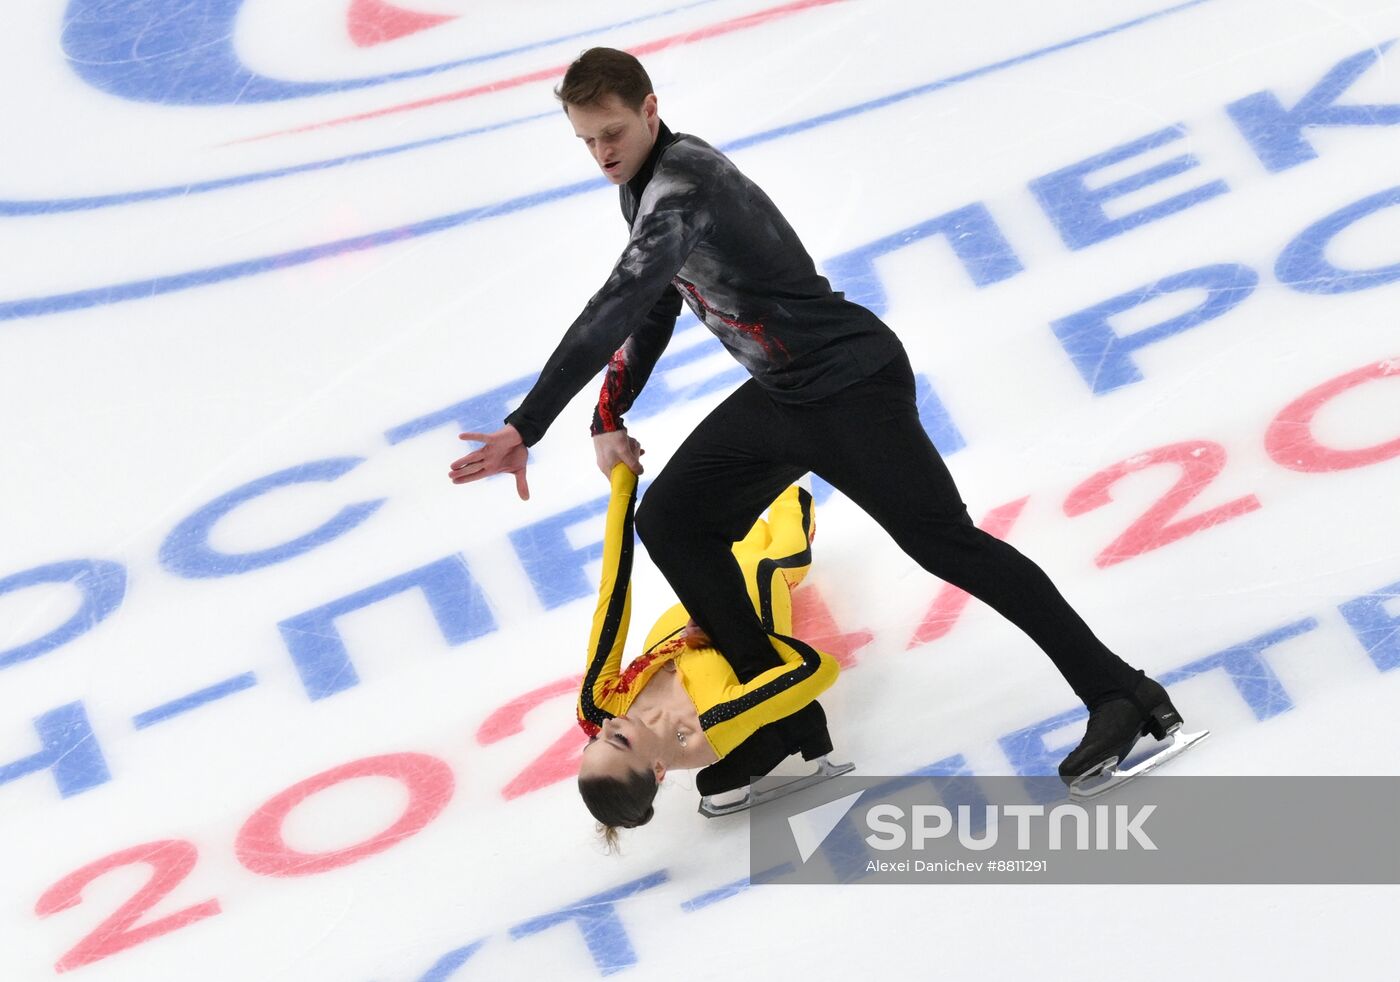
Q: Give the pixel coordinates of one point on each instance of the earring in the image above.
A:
(680, 737)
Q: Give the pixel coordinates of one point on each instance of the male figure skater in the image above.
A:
(832, 392)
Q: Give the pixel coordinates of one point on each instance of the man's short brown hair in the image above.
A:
(601, 72)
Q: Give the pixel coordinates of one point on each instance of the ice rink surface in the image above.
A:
(280, 702)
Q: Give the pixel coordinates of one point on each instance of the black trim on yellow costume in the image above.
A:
(665, 639)
(767, 567)
(728, 713)
(617, 605)
(811, 661)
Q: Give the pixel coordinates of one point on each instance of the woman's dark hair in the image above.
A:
(619, 802)
(601, 72)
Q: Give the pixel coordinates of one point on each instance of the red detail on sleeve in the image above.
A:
(611, 395)
(373, 22)
(754, 330)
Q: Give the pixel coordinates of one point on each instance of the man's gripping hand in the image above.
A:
(617, 447)
(502, 452)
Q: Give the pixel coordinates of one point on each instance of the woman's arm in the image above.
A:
(598, 698)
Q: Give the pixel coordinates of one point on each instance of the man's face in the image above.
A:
(619, 138)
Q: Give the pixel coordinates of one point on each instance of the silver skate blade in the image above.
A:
(1110, 777)
(715, 805)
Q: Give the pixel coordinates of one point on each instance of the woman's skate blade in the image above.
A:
(742, 799)
(1109, 776)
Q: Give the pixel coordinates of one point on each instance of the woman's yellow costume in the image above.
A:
(774, 557)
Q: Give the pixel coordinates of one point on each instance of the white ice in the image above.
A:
(119, 420)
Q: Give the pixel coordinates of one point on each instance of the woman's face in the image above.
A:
(623, 746)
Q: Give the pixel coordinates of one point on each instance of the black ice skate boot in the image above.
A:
(1115, 725)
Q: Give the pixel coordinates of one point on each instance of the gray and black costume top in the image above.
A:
(704, 233)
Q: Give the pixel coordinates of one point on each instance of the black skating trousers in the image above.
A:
(866, 441)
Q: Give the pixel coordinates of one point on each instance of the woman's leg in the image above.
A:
(775, 557)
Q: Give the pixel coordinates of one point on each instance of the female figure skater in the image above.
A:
(679, 704)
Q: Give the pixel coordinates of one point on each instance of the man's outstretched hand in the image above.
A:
(617, 447)
(502, 452)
